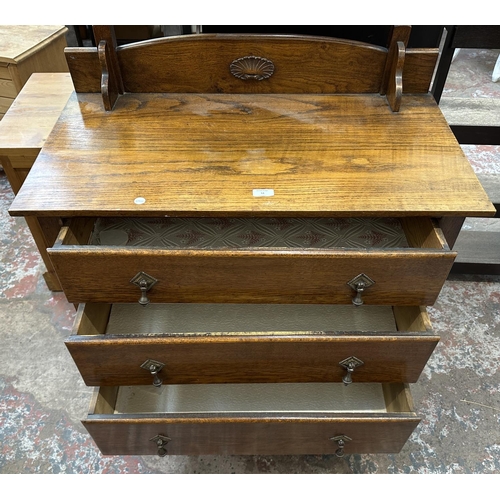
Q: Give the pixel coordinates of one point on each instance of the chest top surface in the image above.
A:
(244, 155)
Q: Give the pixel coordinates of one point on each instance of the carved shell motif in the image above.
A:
(252, 68)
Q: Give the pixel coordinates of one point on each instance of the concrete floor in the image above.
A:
(42, 397)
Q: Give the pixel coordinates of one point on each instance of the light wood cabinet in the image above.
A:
(25, 50)
(23, 132)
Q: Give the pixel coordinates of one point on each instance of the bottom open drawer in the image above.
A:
(250, 419)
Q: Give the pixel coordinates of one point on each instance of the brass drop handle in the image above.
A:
(144, 301)
(341, 442)
(350, 364)
(347, 379)
(154, 367)
(145, 282)
(161, 442)
(359, 288)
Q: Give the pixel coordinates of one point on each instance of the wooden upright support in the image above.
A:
(395, 86)
(111, 79)
(392, 82)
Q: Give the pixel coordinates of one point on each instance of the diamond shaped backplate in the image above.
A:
(142, 277)
(360, 279)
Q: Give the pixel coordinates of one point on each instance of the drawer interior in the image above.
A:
(249, 343)
(216, 233)
(126, 319)
(324, 398)
(255, 232)
(256, 419)
(411, 275)
(254, 319)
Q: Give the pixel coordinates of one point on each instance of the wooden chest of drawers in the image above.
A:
(282, 245)
(25, 50)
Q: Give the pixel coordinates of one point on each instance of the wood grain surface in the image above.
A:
(187, 154)
(23, 132)
(279, 436)
(32, 116)
(252, 274)
(302, 64)
(20, 42)
(95, 274)
(300, 68)
(115, 360)
(252, 433)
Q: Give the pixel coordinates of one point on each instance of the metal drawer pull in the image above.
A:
(154, 367)
(341, 441)
(161, 442)
(350, 364)
(359, 284)
(145, 282)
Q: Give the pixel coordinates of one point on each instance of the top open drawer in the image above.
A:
(254, 260)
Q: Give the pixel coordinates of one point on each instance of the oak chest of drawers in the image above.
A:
(252, 249)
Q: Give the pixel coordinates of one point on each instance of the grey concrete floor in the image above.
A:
(43, 399)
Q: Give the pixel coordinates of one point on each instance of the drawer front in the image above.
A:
(269, 433)
(307, 359)
(105, 359)
(256, 436)
(4, 72)
(8, 88)
(245, 277)
(407, 276)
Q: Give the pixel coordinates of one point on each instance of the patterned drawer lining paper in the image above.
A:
(214, 233)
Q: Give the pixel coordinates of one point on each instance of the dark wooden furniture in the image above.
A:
(428, 36)
(479, 251)
(303, 343)
(125, 33)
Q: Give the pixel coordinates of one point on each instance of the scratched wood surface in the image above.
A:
(204, 154)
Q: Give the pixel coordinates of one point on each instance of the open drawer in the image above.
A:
(235, 419)
(126, 344)
(324, 261)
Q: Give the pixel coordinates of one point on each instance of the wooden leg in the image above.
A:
(52, 281)
(44, 231)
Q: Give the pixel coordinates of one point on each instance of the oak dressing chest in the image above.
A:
(252, 227)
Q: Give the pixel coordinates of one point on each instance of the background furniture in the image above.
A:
(23, 132)
(478, 251)
(124, 33)
(420, 36)
(25, 50)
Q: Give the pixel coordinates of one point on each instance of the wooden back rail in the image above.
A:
(255, 64)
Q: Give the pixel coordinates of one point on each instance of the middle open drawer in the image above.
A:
(127, 344)
(388, 261)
